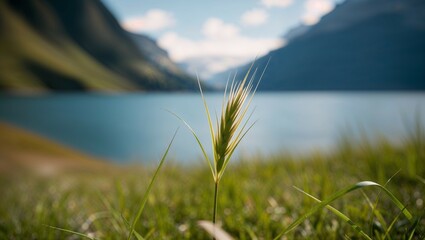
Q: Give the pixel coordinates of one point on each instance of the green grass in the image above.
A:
(257, 197)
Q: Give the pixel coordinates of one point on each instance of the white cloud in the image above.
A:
(217, 29)
(221, 47)
(254, 17)
(206, 67)
(181, 48)
(315, 9)
(153, 20)
(276, 3)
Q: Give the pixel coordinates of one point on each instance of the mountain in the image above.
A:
(160, 59)
(76, 45)
(296, 32)
(360, 45)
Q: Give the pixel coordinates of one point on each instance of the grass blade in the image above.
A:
(72, 232)
(339, 214)
(138, 236)
(375, 212)
(210, 125)
(422, 180)
(198, 141)
(145, 197)
(340, 194)
(236, 143)
(413, 230)
(387, 232)
(116, 215)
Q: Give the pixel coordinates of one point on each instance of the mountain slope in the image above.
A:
(361, 45)
(73, 45)
(160, 59)
(23, 151)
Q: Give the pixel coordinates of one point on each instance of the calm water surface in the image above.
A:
(135, 127)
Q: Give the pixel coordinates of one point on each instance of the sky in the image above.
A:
(211, 36)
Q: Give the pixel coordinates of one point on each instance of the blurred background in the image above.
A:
(97, 78)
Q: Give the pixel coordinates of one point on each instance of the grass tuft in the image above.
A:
(231, 127)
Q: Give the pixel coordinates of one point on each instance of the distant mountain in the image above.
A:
(361, 45)
(77, 45)
(160, 59)
(296, 32)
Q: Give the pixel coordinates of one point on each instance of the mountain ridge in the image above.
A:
(75, 46)
(350, 50)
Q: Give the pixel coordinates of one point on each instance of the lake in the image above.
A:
(138, 127)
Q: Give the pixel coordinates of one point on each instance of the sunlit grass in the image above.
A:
(257, 199)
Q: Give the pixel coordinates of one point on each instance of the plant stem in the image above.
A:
(215, 203)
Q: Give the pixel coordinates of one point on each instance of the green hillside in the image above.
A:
(73, 46)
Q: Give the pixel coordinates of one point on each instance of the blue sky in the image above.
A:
(212, 36)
